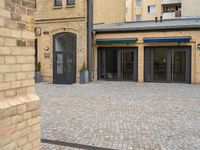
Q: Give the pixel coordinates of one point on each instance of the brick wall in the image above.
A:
(19, 105)
(74, 20)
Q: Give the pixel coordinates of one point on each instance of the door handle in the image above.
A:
(65, 70)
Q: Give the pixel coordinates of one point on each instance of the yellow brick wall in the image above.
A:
(74, 20)
(195, 70)
(19, 105)
(109, 11)
(46, 10)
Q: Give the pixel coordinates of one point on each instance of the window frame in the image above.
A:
(138, 16)
(137, 2)
(55, 3)
(70, 4)
(149, 9)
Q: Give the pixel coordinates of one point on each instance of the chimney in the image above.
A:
(161, 18)
(156, 19)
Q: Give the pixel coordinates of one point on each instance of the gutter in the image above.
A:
(89, 36)
(111, 30)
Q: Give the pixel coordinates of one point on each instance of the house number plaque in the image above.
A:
(46, 55)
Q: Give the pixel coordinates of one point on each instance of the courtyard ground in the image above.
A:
(121, 115)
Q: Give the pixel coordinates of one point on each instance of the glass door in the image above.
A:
(168, 64)
(64, 58)
(157, 64)
(160, 64)
(117, 64)
(127, 65)
(178, 66)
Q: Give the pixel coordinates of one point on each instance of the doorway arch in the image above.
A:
(64, 58)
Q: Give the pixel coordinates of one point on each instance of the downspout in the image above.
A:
(89, 36)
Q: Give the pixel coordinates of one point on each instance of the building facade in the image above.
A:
(141, 10)
(61, 29)
(67, 20)
(190, 8)
(166, 51)
(127, 53)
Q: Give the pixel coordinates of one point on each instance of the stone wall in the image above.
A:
(109, 11)
(133, 11)
(190, 8)
(19, 105)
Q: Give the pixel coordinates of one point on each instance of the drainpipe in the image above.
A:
(89, 36)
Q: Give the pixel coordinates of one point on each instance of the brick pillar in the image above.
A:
(140, 63)
(19, 105)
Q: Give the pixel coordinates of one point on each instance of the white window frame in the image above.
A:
(138, 3)
(138, 16)
(150, 9)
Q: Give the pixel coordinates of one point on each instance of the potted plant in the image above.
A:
(38, 77)
(84, 75)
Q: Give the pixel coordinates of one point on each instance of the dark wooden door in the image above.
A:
(64, 61)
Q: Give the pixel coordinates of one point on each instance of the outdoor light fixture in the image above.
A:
(46, 32)
(37, 31)
(198, 47)
(46, 48)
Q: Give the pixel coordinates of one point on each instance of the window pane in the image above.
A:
(138, 3)
(152, 9)
(71, 56)
(111, 64)
(70, 2)
(59, 64)
(60, 44)
(58, 2)
(138, 17)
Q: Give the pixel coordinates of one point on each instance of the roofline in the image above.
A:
(148, 29)
(173, 19)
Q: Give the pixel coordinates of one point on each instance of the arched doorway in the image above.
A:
(64, 58)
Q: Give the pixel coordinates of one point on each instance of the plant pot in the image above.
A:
(38, 77)
(84, 77)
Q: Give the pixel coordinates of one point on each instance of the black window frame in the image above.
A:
(69, 3)
(148, 9)
(57, 5)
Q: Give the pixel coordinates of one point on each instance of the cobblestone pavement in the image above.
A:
(122, 115)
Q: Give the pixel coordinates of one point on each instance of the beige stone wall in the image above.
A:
(132, 10)
(19, 105)
(151, 16)
(74, 20)
(109, 11)
(190, 8)
(195, 70)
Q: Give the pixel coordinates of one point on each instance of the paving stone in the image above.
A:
(122, 115)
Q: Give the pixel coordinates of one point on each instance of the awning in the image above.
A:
(117, 41)
(168, 39)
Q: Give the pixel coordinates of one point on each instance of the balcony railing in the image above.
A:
(171, 15)
(171, 1)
